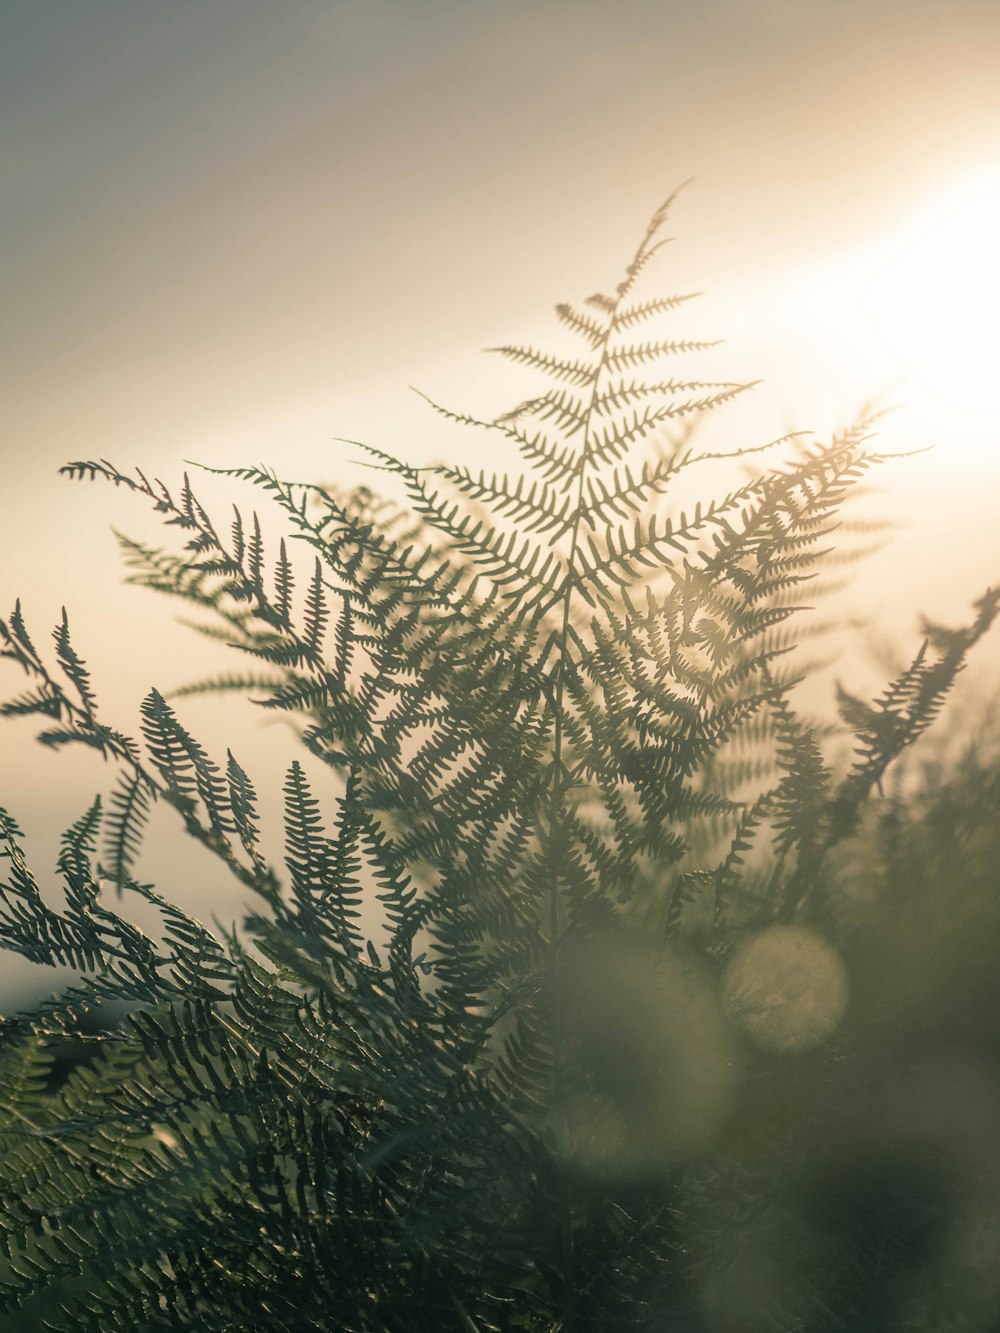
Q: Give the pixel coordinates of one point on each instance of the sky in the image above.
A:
(234, 231)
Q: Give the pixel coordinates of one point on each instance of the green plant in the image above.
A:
(564, 765)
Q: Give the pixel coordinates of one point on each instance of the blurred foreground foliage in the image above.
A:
(858, 1185)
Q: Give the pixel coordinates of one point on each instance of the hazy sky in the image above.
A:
(233, 230)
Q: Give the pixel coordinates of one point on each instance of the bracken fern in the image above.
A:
(562, 739)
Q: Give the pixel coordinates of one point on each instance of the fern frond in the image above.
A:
(576, 372)
(641, 353)
(316, 612)
(186, 769)
(594, 332)
(307, 849)
(645, 310)
(283, 588)
(619, 394)
(73, 665)
(79, 842)
(564, 409)
(243, 804)
(535, 507)
(125, 825)
(229, 683)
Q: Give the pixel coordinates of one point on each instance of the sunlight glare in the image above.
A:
(937, 297)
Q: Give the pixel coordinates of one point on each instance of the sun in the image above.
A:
(936, 296)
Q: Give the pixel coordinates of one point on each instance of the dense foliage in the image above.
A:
(494, 1048)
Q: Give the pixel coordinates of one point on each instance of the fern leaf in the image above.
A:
(125, 825)
(229, 683)
(73, 665)
(620, 393)
(186, 769)
(283, 588)
(316, 612)
(638, 314)
(535, 507)
(567, 412)
(594, 332)
(243, 803)
(576, 372)
(307, 850)
(640, 353)
(79, 842)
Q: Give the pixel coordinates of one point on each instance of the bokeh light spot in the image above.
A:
(786, 988)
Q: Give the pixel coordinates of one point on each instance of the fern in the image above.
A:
(538, 701)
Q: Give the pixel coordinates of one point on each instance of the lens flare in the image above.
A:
(786, 988)
(648, 1064)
